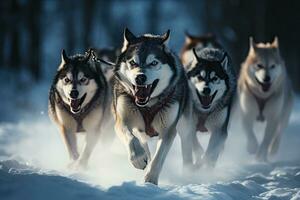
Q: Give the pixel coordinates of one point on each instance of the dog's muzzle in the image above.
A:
(265, 86)
(206, 100)
(142, 93)
(75, 104)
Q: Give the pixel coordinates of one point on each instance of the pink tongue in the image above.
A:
(266, 87)
(206, 100)
(75, 103)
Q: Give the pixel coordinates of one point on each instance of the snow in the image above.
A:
(33, 163)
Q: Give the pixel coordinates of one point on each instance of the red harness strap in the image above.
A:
(149, 113)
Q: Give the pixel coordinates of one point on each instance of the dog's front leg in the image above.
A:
(217, 125)
(91, 140)
(163, 146)
(270, 132)
(215, 146)
(136, 153)
(70, 141)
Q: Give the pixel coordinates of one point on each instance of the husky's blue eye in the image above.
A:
(132, 63)
(66, 80)
(154, 63)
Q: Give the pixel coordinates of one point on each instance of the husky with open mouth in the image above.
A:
(212, 80)
(79, 101)
(265, 94)
(198, 43)
(150, 94)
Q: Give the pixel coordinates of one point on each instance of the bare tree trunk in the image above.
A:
(113, 29)
(88, 16)
(34, 9)
(153, 15)
(14, 59)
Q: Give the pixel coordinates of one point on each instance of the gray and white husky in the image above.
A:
(198, 43)
(79, 101)
(265, 94)
(212, 80)
(150, 96)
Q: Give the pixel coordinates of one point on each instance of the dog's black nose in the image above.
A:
(74, 94)
(140, 79)
(206, 91)
(267, 78)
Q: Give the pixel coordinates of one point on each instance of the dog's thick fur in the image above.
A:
(212, 80)
(89, 112)
(265, 94)
(198, 43)
(140, 117)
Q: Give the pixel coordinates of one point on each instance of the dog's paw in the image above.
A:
(138, 156)
(252, 146)
(261, 155)
(210, 160)
(78, 165)
(151, 178)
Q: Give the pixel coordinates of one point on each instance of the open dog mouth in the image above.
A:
(75, 104)
(264, 86)
(142, 93)
(206, 100)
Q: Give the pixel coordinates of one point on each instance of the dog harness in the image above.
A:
(261, 102)
(83, 113)
(149, 113)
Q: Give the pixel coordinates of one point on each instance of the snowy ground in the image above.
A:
(33, 164)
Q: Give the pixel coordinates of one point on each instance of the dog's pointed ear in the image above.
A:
(195, 55)
(252, 45)
(188, 37)
(129, 38)
(225, 61)
(64, 59)
(165, 37)
(275, 42)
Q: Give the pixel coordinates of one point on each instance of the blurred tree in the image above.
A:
(34, 30)
(14, 58)
(69, 25)
(88, 18)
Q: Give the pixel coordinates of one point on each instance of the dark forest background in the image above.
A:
(33, 32)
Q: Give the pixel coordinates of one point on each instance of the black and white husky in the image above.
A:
(79, 101)
(150, 96)
(212, 80)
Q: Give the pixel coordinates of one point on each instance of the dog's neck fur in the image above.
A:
(149, 113)
(94, 102)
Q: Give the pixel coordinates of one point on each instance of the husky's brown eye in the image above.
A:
(67, 80)
(154, 63)
(260, 66)
(272, 66)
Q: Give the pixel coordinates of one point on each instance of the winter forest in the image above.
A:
(33, 158)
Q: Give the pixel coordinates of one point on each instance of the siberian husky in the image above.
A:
(265, 94)
(79, 101)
